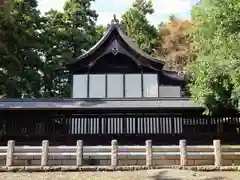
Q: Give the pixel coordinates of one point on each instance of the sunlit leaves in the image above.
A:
(215, 82)
(174, 43)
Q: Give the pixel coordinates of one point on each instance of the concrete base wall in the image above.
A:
(125, 161)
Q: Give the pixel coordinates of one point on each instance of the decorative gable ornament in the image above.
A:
(115, 47)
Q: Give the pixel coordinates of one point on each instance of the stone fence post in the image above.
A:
(148, 153)
(45, 149)
(10, 153)
(79, 153)
(217, 153)
(183, 152)
(114, 153)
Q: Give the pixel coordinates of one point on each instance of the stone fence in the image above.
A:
(115, 155)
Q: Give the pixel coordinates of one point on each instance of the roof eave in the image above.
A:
(93, 49)
(137, 50)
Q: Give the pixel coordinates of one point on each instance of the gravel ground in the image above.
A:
(138, 175)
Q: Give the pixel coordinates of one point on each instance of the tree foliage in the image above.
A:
(20, 62)
(214, 76)
(65, 36)
(33, 47)
(174, 46)
(137, 26)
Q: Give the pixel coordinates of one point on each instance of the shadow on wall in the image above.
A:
(165, 175)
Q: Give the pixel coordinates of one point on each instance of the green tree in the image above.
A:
(53, 52)
(100, 30)
(80, 21)
(137, 26)
(34, 50)
(20, 63)
(66, 35)
(146, 7)
(214, 76)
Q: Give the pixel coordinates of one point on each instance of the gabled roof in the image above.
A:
(116, 41)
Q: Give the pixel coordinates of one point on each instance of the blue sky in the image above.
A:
(106, 8)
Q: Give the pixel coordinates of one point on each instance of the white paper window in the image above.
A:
(115, 85)
(133, 85)
(79, 86)
(97, 86)
(150, 85)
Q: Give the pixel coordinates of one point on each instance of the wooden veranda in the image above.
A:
(130, 126)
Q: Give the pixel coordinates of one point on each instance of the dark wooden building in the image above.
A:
(118, 92)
